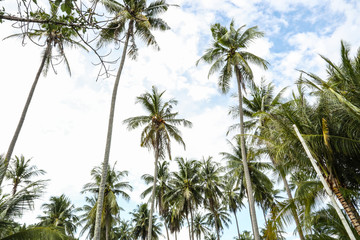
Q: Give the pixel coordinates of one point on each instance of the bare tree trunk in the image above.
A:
(108, 139)
(192, 223)
(293, 209)
(167, 231)
(107, 231)
(237, 223)
(244, 160)
(154, 187)
(187, 218)
(23, 114)
(325, 184)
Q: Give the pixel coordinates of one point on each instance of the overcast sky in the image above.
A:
(65, 128)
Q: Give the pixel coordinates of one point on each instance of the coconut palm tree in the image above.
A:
(123, 232)
(200, 225)
(186, 190)
(258, 107)
(160, 126)
(20, 171)
(56, 37)
(335, 123)
(262, 185)
(115, 186)
(228, 55)
(140, 19)
(219, 218)
(212, 181)
(60, 213)
(141, 219)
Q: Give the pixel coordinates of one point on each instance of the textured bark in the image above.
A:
(329, 192)
(100, 200)
(244, 160)
(153, 189)
(347, 205)
(23, 114)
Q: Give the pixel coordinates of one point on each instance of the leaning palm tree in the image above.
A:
(60, 213)
(56, 36)
(228, 55)
(20, 171)
(140, 20)
(160, 126)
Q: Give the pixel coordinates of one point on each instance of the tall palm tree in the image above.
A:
(212, 180)
(228, 55)
(56, 36)
(160, 126)
(262, 103)
(141, 221)
(20, 171)
(140, 19)
(60, 213)
(115, 186)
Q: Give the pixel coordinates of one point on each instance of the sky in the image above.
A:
(65, 128)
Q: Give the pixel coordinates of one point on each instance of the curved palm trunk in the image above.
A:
(329, 192)
(237, 223)
(153, 190)
(23, 114)
(108, 139)
(245, 164)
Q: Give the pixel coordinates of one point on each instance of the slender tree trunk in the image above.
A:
(175, 235)
(108, 139)
(347, 205)
(237, 223)
(167, 231)
(14, 190)
(23, 114)
(293, 208)
(154, 188)
(107, 231)
(244, 160)
(326, 186)
(216, 224)
(187, 219)
(192, 223)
